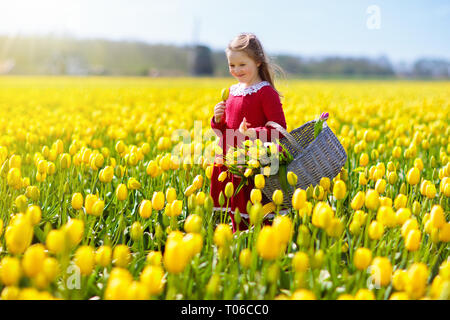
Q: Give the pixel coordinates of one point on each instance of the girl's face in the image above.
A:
(242, 67)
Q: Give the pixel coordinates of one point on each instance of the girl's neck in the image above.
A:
(249, 84)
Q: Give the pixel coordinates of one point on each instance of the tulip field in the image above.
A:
(104, 194)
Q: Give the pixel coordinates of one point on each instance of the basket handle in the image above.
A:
(284, 132)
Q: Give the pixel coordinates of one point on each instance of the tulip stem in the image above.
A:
(226, 211)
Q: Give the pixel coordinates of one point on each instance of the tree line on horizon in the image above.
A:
(50, 55)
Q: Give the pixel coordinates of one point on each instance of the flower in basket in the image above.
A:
(319, 123)
(284, 153)
(257, 155)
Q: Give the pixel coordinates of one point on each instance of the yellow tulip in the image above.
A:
(176, 208)
(222, 176)
(400, 201)
(121, 192)
(133, 184)
(413, 176)
(257, 213)
(416, 282)
(121, 256)
(153, 278)
(364, 294)
(158, 200)
(362, 179)
(303, 294)
(56, 241)
(358, 200)
(136, 231)
(362, 258)
(19, 234)
(193, 242)
(33, 260)
(198, 182)
(154, 258)
(380, 186)
(200, 198)
(15, 161)
(50, 268)
(412, 242)
(402, 215)
(98, 207)
(259, 181)
(283, 226)
(85, 259)
(34, 214)
(372, 200)
(381, 271)
(145, 209)
(255, 196)
(189, 190)
(299, 199)
(292, 178)
(229, 190)
(193, 223)
(176, 256)
(245, 257)
(322, 215)
(103, 256)
(376, 230)
(444, 233)
(386, 216)
(363, 159)
(209, 171)
(14, 177)
(319, 192)
(339, 190)
(408, 225)
(10, 271)
(268, 243)
(325, 183)
(89, 202)
(32, 192)
(437, 216)
(300, 262)
(418, 163)
(74, 230)
(430, 191)
(171, 194)
(222, 235)
(392, 177)
(77, 201)
(277, 197)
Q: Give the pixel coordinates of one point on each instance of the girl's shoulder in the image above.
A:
(238, 89)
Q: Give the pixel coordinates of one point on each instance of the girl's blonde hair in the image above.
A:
(250, 44)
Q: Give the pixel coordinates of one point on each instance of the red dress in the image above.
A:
(258, 103)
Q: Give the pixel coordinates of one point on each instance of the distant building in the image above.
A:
(202, 62)
(66, 64)
(6, 66)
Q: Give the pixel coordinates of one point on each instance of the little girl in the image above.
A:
(251, 104)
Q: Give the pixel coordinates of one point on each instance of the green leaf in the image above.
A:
(282, 177)
(241, 184)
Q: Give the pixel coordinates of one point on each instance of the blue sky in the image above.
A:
(407, 29)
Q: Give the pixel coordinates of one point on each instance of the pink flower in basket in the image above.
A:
(324, 116)
(284, 154)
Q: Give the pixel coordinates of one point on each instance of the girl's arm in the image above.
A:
(273, 111)
(220, 126)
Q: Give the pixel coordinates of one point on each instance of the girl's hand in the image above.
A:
(219, 110)
(245, 130)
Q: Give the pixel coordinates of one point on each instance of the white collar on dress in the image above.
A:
(238, 89)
